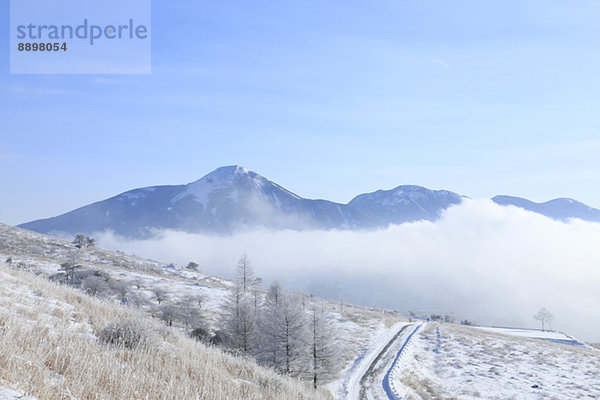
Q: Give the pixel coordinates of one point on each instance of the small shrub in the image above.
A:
(200, 334)
(193, 265)
(129, 333)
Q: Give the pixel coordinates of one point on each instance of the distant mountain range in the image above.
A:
(560, 209)
(233, 198)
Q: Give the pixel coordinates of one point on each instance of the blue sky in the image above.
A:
(327, 98)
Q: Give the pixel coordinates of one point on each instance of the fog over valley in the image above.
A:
(486, 263)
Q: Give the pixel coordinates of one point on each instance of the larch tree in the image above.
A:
(270, 351)
(241, 317)
(240, 320)
(324, 354)
(283, 333)
(245, 274)
(292, 334)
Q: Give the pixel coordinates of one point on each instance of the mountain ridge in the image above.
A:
(561, 208)
(233, 198)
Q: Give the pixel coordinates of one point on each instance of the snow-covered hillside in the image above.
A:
(437, 361)
(53, 345)
(142, 279)
(451, 361)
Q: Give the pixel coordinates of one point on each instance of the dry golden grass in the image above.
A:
(49, 349)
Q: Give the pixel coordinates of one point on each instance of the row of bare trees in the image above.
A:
(280, 329)
(285, 331)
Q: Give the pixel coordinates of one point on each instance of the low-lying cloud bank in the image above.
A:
(485, 262)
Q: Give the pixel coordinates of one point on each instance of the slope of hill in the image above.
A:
(138, 282)
(53, 346)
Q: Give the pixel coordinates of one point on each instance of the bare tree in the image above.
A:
(323, 355)
(240, 320)
(121, 288)
(69, 268)
(270, 349)
(544, 316)
(294, 335)
(283, 332)
(169, 313)
(245, 274)
(160, 294)
(137, 299)
(191, 311)
(138, 283)
(196, 300)
(95, 285)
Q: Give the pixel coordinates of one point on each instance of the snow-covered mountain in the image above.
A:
(227, 199)
(559, 209)
(405, 203)
(233, 199)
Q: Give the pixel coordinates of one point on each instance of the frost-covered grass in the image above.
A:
(42, 255)
(49, 349)
(451, 361)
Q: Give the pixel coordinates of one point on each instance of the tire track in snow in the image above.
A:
(351, 385)
(388, 387)
(374, 368)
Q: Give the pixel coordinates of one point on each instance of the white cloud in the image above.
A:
(441, 63)
(493, 264)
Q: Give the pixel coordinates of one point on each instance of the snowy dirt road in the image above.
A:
(367, 376)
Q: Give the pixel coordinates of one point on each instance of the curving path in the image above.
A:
(369, 377)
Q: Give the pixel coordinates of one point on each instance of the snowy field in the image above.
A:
(452, 361)
(552, 336)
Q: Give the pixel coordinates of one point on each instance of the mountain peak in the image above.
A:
(406, 203)
(227, 173)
